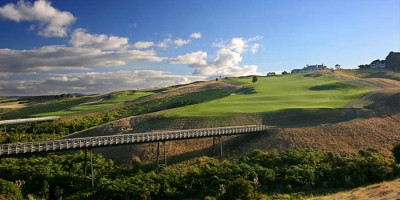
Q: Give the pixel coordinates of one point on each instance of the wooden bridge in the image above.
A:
(123, 139)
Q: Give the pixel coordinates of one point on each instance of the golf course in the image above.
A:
(278, 93)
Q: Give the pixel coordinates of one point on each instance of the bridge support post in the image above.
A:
(91, 166)
(158, 154)
(220, 145)
(165, 153)
(213, 146)
(85, 169)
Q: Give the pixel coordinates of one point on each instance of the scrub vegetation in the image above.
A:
(258, 175)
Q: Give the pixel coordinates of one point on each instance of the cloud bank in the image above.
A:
(45, 67)
(80, 38)
(227, 59)
(63, 57)
(50, 21)
(94, 82)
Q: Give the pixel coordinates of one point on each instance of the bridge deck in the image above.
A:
(133, 138)
(28, 120)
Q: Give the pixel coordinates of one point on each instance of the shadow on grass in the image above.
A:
(246, 90)
(283, 118)
(332, 86)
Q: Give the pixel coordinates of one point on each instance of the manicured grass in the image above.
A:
(7, 99)
(51, 106)
(108, 101)
(271, 94)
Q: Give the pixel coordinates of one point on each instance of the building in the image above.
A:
(309, 68)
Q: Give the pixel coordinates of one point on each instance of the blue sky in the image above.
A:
(49, 47)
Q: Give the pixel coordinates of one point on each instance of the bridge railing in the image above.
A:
(89, 142)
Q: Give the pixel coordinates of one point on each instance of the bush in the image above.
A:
(396, 153)
(10, 190)
(240, 189)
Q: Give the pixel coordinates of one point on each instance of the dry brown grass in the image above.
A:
(383, 191)
(378, 133)
(13, 105)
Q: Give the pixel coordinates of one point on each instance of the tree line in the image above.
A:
(257, 175)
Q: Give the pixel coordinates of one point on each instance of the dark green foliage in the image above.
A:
(393, 60)
(240, 189)
(255, 79)
(364, 66)
(9, 190)
(275, 172)
(51, 176)
(396, 153)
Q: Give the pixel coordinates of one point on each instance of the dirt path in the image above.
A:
(350, 112)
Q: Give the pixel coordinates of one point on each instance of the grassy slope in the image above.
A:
(112, 100)
(388, 75)
(385, 190)
(75, 106)
(278, 93)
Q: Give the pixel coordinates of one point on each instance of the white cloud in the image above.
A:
(254, 48)
(80, 38)
(52, 22)
(180, 42)
(196, 35)
(226, 61)
(237, 44)
(255, 38)
(165, 43)
(211, 71)
(94, 82)
(240, 45)
(143, 45)
(59, 57)
(195, 58)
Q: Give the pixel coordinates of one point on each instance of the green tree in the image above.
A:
(240, 188)
(255, 79)
(9, 190)
(396, 153)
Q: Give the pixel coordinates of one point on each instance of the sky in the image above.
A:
(80, 46)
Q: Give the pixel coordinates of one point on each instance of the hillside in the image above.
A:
(303, 111)
(386, 190)
(373, 127)
(335, 113)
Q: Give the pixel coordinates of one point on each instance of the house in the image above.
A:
(271, 74)
(377, 64)
(310, 68)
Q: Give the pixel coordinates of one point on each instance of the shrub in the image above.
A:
(10, 190)
(396, 153)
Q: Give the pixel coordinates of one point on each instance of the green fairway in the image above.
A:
(114, 99)
(271, 94)
(77, 105)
